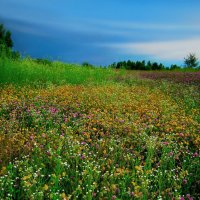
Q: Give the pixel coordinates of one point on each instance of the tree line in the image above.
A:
(137, 65)
(190, 61)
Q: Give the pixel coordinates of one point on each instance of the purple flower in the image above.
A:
(83, 142)
(82, 157)
(114, 197)
(65, 119)
(195, 154)
(171, 153)
(75, 115)
(53, 110)
(184, 181)
(181, 134)
(94, 194)
(31, 137)
(166, 143)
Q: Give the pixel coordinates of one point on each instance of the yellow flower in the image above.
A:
(26, 177)
(64, 173)
(138, 168)
(134, 183)
(114, 187)
(3, 170)
(46, 187)
(64, 196)
(137, 188)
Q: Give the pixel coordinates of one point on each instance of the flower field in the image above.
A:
(192, 78)
(100, 141)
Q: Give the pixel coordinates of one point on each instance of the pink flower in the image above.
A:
(114, 197)
(75, 115)
(184, 181)
(195, 154)
(65, 119)
(31, 137)
(53, 110)
(165, 143)
(94, 194)
(62, 134)
(171, 153)
(83, 142)
(181, 134)
(82, 157)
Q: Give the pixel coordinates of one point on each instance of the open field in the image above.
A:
(69, 132)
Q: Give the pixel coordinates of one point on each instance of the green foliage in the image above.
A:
(43, 72)
(43, 61)
(86, 64)
(191, 61)
(138, 65)
(6, 44)
(8, 40)
(5, 37)
(174, 67)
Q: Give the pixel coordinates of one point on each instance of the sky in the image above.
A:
(104, 31)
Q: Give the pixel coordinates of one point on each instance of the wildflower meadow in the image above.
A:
(72, 132)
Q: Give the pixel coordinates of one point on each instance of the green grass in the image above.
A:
(28, 72)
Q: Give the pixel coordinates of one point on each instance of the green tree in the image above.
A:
(8, 39)
(174, 66)
(6, 44)
(191, 61)
(5, 37)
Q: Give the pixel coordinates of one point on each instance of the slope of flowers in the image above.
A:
(97, 142)
(178, 77)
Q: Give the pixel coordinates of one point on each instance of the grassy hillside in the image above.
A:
(69, 132)
(29, 72)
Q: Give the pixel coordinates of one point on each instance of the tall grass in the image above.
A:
(29, 72)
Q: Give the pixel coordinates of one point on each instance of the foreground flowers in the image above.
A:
(98, 142)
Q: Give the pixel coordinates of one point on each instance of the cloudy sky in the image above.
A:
(104, 31)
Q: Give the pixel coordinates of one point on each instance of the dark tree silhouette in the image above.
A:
(8, 40)
(138, 65)
(191, 61)
(5, 37)
(6, 44)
